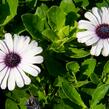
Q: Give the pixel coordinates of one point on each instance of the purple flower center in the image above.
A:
(103, 31)
(12, 60)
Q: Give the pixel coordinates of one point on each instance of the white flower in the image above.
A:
(18, 56)
(96, 31)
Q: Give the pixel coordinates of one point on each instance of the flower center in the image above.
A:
(103, 31)
(12, 59)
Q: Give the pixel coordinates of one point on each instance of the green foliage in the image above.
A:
(89, 66)
(10, 12)
(72, 67)
(35, 26)
(71, 78)
(9, 103)
(56, 18)
(72, 94)
(98, 94)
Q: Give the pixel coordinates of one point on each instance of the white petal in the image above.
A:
(96, 48)
(3, 47)
(85, 39)
(2, 66)
(32, 60)
(2, 55)
(97, 13)
(105, 51)
(92, 41)
(23, 43)
(9, 41)
(33, 44)
(32, 52)
(84, 34)
(27, 80)
(105, 15)
(36, 67)
(30, 70)
(18, 78)
(2, 74)
(84, 24)
(91, 18)
(11, 81)
(4, 82)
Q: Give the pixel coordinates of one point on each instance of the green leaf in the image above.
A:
(77, 53)
(62, 105)
(56, 18)
(50, 35)
(72, 67)
(94, 78)
(33, 24)
(105, 73)
(4, 12)
(22, 93)
(102, 3)
(72, 94)
(63, 32)
(68, 6)
(99, 94)
(10, 104)
(13, 4)
(58, 81)
(89, 66)
(22, 103)
(41, 11)
(100, 106)
(88, 91)
(82, 3)
(106, 67)
(81, 83)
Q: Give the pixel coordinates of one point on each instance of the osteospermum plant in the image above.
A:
(96, 32)
(18, 56)
(72, 69)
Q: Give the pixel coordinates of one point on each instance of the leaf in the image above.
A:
(13, 4)
(33, 24)
(56, 18)
(58, 81)
(62, 105)
(72, 94)
(89, 66)
(72, 67)
(99, 94)
(10, 104)
(4, 12)
(105, 72)
(88, 91)
(31, 3)
(68, 6)
(103, 3)
(100, 106)
(77, 53)
(50, 35)
(106, 67)
(94, 78)
(82, 3)
(22, 103)
(63, 32)
(81, 83)
(42, 11)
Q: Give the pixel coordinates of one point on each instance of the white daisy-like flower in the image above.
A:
(18, 56)
(96, 31)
